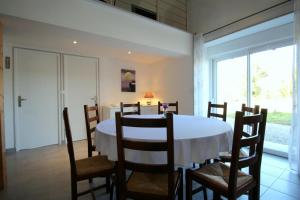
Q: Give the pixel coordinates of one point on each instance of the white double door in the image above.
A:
(44, 83)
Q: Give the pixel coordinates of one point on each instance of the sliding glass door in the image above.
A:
(260, 78)
(271, 81)
(231, 84)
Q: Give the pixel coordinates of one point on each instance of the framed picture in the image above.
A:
(128, 83)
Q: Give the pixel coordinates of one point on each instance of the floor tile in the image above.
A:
(275, 161)
(263, 189)
(44, 173)
(274, 195)
(267, 180)
(271, 170)
(287, 187)
(290, 176)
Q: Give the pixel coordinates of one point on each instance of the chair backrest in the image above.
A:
(91, 115)
(253, 160)
(169, 105)
(135, 106)
(69, 142)
(162, 146)
(250, 110)
(212, 110)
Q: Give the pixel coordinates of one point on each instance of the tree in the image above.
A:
(258, 75)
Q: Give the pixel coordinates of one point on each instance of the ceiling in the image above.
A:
(38, 35)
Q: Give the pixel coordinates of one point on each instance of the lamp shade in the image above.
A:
(148, 95)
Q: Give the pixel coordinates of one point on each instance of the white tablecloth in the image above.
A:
(196, 139)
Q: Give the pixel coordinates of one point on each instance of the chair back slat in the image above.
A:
(253, 119)
(148, 168)
(69, 141)
(93, 119)
(161, 146)
(136, 107)
(254, 110)
(255, 141)
(146, 123)
(91, 115)
(248, 161)
(145, 146)
(92, 130)
(175, 105)
(92, 108)
(250, 141)
(212, 107)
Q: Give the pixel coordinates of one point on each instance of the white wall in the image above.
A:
(173, 81)
(208, 15)
(110, 81)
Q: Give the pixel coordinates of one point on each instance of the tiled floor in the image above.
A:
(43, 174)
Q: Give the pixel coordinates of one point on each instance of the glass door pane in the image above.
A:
(271, 85)
(232, 84)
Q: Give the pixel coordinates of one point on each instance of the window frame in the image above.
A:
(245, 52)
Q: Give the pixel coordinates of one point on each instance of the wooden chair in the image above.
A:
(227, 180)
(87, 168)
(91, 115)
(136, 107)
(169, 105)
(211, 113)
(226, 156)
(148, 181)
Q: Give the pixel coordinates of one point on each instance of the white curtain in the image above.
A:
(201, 76)
(294, 145)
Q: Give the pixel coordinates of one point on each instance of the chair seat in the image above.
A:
(151, 183)
(226, 156)
(216, 176)
(93, 167)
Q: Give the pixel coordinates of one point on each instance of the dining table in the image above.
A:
(196, 139)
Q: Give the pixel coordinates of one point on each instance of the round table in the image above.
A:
(195, 139)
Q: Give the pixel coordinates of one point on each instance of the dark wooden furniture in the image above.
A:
(135, 106)
(212, 110)
(87, 168)
(227, 180)
(159, 105)
(148, 181)
(91, 115)
(226, 156)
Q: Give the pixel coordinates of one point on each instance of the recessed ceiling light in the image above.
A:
(129, 52)
(75, 42)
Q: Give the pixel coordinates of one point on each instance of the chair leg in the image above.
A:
(107, 184)
(90, 180)
(188, 184)
(254, 194)
(217, 196)
(74, 189)
(112, 186)
(204, 193)
(180, 192)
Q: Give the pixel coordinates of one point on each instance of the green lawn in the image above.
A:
(275, 117)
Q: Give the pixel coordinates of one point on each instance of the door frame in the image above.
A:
(15, 90)
(63, 90)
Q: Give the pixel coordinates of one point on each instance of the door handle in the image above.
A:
(20, 99)
(94, 99)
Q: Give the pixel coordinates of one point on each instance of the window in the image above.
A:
(259, 78)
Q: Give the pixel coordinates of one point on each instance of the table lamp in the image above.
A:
(149, 96)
